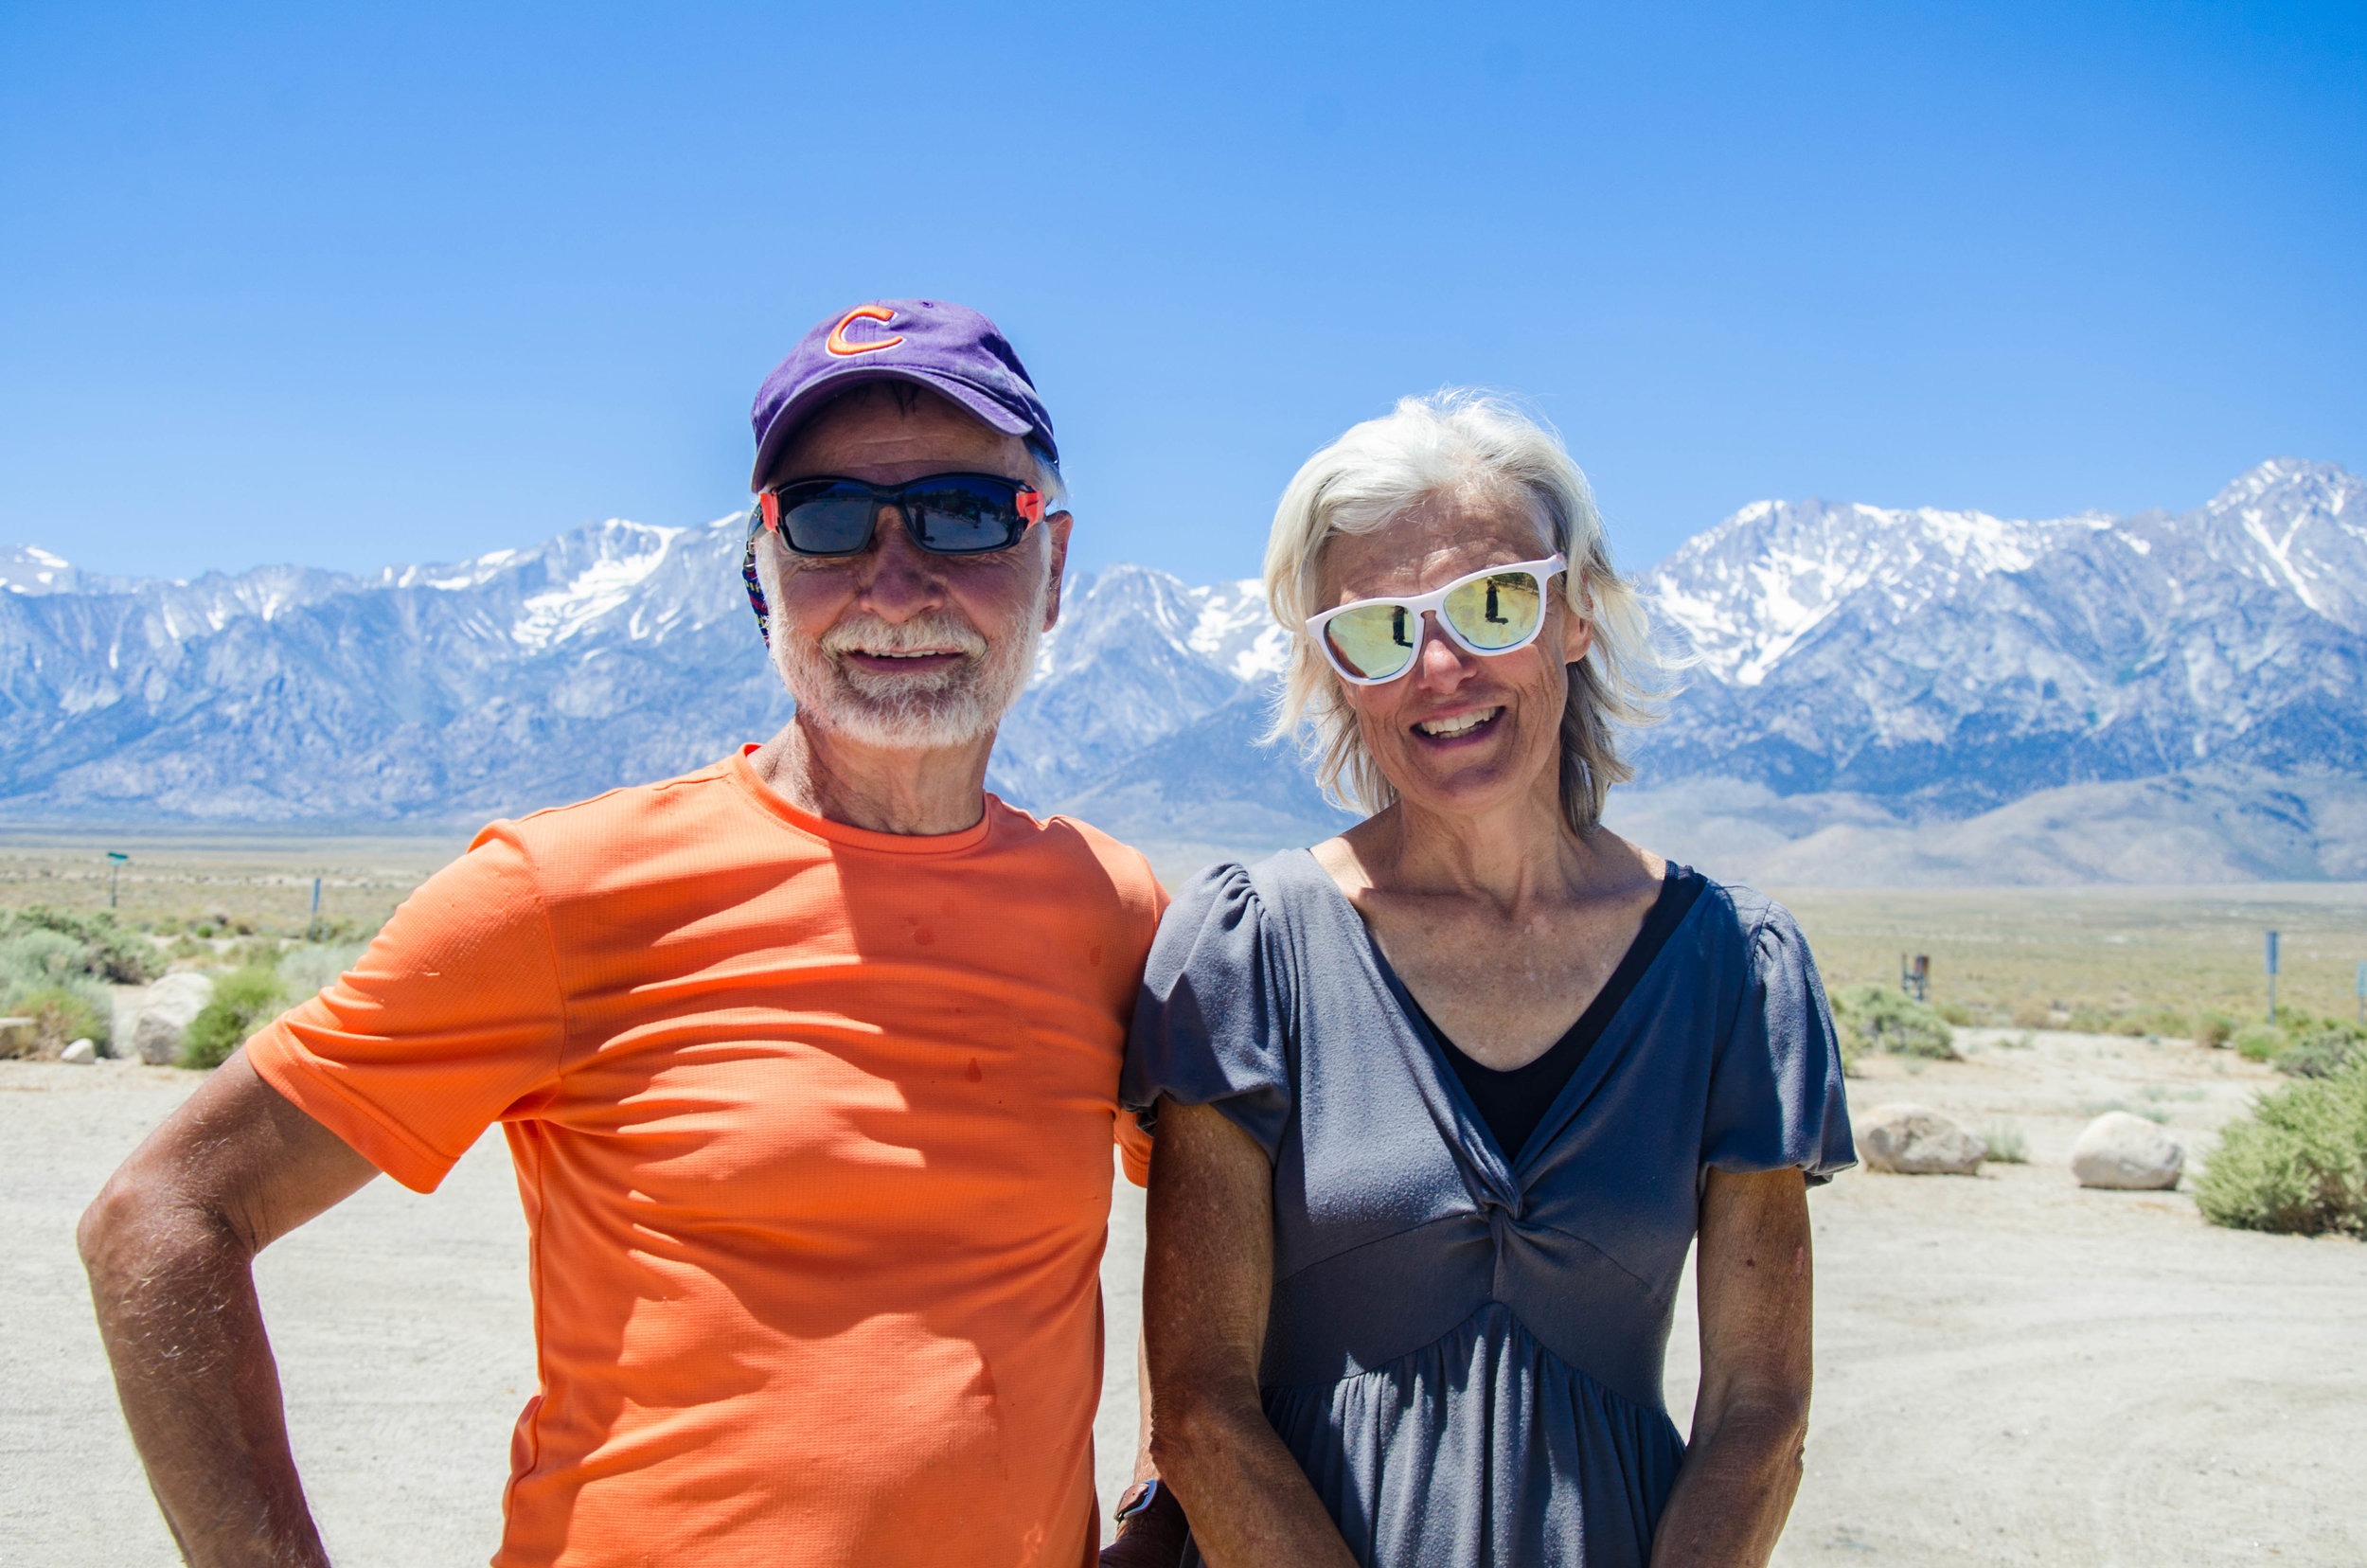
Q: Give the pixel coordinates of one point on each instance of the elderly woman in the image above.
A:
(1442, 1102)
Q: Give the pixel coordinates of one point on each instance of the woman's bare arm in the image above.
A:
(1736, 1488)
(1207, 1278)
(170, 1244)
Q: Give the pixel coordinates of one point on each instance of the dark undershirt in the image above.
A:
(1513, 1103)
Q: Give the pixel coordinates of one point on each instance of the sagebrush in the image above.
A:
(1878, 1018)
(245, 1000)
(2299, 1163)
(47, 975)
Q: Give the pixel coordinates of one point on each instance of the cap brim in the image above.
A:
(823, 388)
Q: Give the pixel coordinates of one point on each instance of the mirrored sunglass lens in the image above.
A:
(1373, 641)
(961, 518)
(1496, 611)
(829, 524)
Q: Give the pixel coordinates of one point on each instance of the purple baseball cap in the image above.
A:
(948, 348)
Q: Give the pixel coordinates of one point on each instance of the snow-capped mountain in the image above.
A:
(282, 694)
(1960, 661)
(614, 653)
(1887, 665)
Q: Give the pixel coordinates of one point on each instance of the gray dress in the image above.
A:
(1464, 1350)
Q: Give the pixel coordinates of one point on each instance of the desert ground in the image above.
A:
(2010, 1368)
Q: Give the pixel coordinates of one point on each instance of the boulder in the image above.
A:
(81, 1053)
(1915, 1140)
(2127, 1153)
(173, 1003)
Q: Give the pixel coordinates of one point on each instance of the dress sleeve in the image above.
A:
(451, 1018)
(1210, 1024)
(1775, 1097)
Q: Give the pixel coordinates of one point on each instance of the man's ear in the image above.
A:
(1055, 528)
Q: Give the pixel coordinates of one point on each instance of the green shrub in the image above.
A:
(311, 967)
(2151, 1112)
(46, 975)
(2006, 1144)
(60, 1015)
(31, 960)
(2299, 1165)
(2213, 1029)
(243, 1002)
(2259, 1042)
(254, 953)
(1878, 1018)
(108, 952)
(1956, 1013)
(2319, 1047)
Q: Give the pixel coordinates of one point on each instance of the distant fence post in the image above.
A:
(312, 924)
(115, 874)
(1916, 978)
(2268, 962)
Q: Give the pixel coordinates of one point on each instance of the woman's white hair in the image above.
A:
(1458, 442)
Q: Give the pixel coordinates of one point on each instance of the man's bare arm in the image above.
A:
(1735, 1486)
(169, 1243)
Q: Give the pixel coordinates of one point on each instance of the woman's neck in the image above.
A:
(1517, 855)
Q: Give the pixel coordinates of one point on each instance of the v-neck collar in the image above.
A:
(1503, 1170)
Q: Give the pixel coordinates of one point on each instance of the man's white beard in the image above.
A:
(924, 710)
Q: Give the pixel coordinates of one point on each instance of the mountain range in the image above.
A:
(1872, 694)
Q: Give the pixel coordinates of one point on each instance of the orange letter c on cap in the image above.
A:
(837, 343)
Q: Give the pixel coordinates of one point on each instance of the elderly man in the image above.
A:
(808, 1062)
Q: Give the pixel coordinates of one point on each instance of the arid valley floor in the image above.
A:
(2011, 1369)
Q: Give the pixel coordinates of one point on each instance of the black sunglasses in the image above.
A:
(944, 513)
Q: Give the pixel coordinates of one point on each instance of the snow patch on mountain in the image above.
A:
(1236, 632)
(628, 554)
(30, 569)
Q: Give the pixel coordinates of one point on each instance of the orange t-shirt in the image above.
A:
(812, 1127)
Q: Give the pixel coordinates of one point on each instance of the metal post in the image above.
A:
(312, 924)
(2268, 962)
(115, 874)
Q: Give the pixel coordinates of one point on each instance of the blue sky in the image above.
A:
(350, 285)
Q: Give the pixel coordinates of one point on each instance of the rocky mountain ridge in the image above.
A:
(1852, 666)
(1954, 662)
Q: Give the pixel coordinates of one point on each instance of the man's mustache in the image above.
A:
(935, 629)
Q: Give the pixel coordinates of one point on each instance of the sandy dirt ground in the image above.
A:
(2011, 1369)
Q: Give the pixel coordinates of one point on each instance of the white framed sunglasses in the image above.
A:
(1498, 610)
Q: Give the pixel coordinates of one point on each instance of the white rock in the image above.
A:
(81, 1051)
(165, 1017)
(1915, 1140)
(2126, 1151)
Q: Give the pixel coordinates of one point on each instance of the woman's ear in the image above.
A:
(1577, 632)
